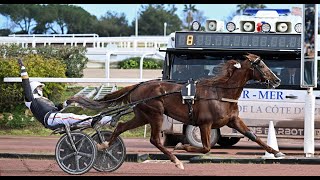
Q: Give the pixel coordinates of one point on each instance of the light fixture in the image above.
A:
(248, 27)
(282, 27)
(195, 26)
(298, 27)
(231, 26)
(212, 26)
(266, 27)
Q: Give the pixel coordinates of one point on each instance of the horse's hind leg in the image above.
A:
(239, 125)
(205, 130)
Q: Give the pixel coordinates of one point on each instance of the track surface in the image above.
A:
(244, 149)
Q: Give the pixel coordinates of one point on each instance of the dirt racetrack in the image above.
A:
(33, 167)
(244, 149)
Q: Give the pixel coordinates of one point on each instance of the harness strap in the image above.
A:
(229, 100)
(190, 111)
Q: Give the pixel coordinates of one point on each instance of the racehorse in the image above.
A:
(215, 104)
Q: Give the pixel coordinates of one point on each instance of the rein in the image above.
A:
(133, 104)
(218, 99)
(115, 99)
(221, 87)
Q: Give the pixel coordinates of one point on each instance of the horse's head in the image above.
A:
(261, 72)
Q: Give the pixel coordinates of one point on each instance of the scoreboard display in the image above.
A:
(254, 41)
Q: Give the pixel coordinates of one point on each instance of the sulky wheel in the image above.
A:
(112, 158)
(77, 161)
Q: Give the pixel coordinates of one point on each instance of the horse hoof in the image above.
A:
(103, 146)
(180, 165)
(179, 146)
(279, 154)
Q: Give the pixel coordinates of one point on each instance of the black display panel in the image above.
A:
(263, 41)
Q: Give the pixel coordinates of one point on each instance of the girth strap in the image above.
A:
(190, 111)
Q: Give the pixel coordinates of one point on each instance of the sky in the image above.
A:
(214, 11)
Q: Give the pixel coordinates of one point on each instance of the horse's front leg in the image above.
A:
(205, 131)
(239, 125)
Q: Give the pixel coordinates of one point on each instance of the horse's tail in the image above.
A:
(116, 97)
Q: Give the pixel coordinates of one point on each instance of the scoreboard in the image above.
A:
(256, 41)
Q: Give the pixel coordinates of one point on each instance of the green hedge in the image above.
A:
(37, 66)
(20, 117)
(134, 63)
(73, 57)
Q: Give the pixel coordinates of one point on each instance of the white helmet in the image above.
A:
(34, 85)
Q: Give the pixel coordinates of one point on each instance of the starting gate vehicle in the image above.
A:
(274, 35)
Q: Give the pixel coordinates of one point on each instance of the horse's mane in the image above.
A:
(224, 72)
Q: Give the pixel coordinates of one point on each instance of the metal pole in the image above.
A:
(137, 20)
(107, 66)
(309, 110)
(164, 29)
(311, 69)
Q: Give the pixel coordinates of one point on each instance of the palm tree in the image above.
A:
(241, 7)
(189, 10)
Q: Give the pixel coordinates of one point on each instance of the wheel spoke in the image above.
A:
(111, 155)
(85, 154)
(77, 162)
(67, 156)
(104, 159)
(69, 144)
(113, 145)
(81, 143)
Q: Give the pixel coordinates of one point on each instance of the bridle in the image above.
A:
(255, 65)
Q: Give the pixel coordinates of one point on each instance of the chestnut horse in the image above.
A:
(215, 104)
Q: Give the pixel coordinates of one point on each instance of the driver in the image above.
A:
(45, 111)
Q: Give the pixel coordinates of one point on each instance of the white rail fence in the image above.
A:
(87, 40)
(105, 47)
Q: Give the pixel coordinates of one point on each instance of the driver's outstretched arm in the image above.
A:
(28, 96)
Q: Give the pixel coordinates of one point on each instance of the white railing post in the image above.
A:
(135, 45)
(107, 65)
(145, 131)
(141, 62)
